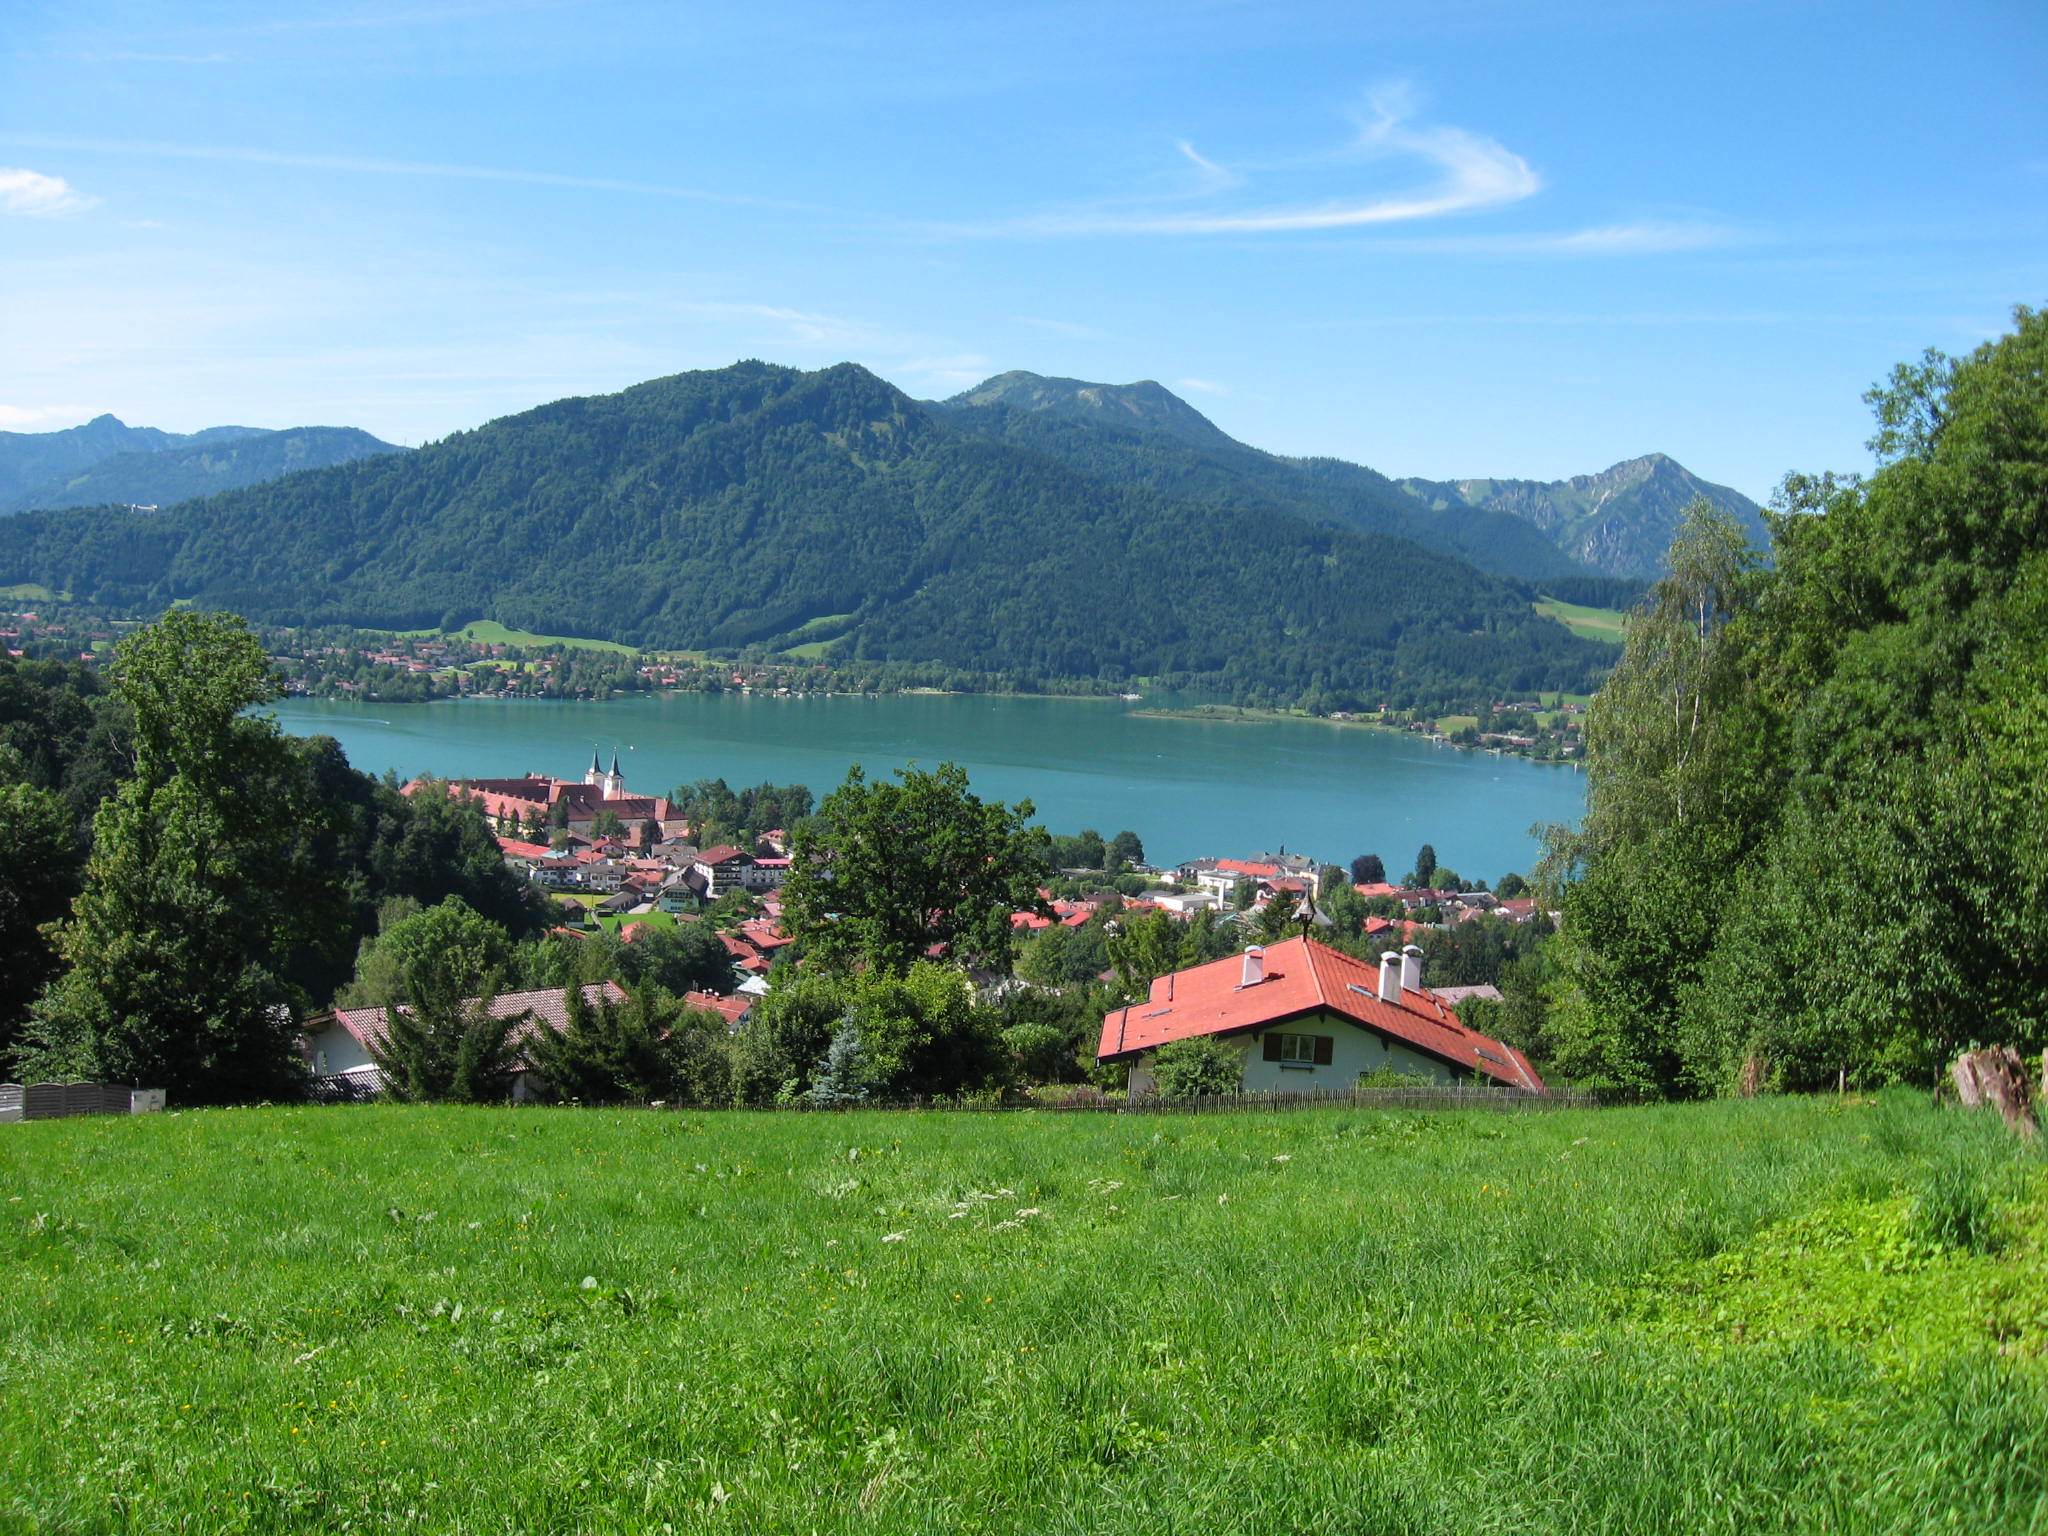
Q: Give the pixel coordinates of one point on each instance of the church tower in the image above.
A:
(615, 781)
(595, 776)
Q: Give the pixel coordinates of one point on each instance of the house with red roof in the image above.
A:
(1306, 1016)
(339, 1043)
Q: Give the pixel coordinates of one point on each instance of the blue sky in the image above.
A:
(1446, 238)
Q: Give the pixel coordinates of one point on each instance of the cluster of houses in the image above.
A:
(1299, 1014)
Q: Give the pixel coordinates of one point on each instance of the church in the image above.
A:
(535, 803)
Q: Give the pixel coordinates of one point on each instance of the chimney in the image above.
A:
(1254, 966)
(1411, 968)
(1390, 978)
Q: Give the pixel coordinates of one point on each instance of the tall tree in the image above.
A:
(177, 942)
(1368, 869)
(885, 873)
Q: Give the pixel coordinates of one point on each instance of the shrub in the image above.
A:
(1185, 1069)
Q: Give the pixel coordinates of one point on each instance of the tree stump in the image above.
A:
(1752, 1076)
(1996, 1076)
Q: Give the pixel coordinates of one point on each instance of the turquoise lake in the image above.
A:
(1186, 787)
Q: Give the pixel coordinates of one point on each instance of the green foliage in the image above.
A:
(1425, 867)
(449, 950)
(886, 872)
(443, 1049)
(40, 865)
(1841, 772)
(609, 1052)
(1188, 1069)
(917, 1035)
(1368, 869)
(188, 915)
(1039, 1053)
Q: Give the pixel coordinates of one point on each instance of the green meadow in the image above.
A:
(1779, 1315)
(1587, 623)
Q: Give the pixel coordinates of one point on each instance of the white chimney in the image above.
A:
(1390, 978)
(1254, 966)
(1411, 968)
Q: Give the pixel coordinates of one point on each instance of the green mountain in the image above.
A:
(1619, 522)
(1144, 435)
(181, 471)
(754, 505)
(32, 459)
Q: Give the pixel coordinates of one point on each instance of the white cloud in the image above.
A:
(33, 193)
(1202, 386)
(1473, 172)
(1605, 240)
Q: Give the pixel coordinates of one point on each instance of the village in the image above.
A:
(617, 862)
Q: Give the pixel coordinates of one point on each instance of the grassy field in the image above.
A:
(1609, 624)
(1730, 1318)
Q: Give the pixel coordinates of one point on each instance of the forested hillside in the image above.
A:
(161, 476)
(1144, 435)
(1816, 846)
(761, 506)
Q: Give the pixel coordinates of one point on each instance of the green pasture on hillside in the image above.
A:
(1609, 624)
(1766, 1316)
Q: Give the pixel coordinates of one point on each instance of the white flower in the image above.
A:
(954, 1215)
(1283, 1157)
(589, 1282)
(1031, 1210)
(894, 1237)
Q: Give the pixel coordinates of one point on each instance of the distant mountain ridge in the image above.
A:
(171, 474)
(106, 461)
(1144, 435)
(1619, 522)
(759, 506)
(30, 459)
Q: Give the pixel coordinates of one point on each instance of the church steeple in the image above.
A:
(615, 781)
(595, 775)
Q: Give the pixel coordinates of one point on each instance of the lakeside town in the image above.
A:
(633, 867)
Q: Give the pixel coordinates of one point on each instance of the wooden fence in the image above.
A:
(1417, 1098)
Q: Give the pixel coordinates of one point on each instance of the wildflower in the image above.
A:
(894, 1237)
(589, 1282)
(1031, 1210)
(1283, 1157)
(1223, 1199)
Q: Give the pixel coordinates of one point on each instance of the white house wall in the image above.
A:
(1353, 1053)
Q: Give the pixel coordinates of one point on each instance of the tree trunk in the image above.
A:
(1997, 1076)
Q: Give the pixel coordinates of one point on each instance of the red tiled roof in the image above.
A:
(518, 850)
(1245, 867)
(731, 1009)
(1376, 888)
(720, 854)
(1303, 977)
(548, 1006)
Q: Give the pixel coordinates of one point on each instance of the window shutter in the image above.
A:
(1324, 1046)
(1272, 1047)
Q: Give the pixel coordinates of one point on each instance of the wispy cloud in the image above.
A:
(1647, 238)
(40, 196)
(1472, 172)
(380, 167)
(1202, 386)
(801, 325)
